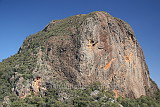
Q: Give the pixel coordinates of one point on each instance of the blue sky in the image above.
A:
(21, 18)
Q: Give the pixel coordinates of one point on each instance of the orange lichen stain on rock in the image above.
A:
(108, 65)
(22, 97)
(37, 85)
(128, 58)
(116, 93)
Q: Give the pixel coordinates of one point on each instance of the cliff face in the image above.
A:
(82, 50)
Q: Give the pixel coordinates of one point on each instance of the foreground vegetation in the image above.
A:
(91, 96)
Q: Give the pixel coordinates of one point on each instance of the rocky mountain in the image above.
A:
(79, 51)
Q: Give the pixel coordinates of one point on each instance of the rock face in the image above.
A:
(85, 49)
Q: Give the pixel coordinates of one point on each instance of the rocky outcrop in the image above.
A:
(85, 49)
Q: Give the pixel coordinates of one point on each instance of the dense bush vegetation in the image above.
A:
(91, 96)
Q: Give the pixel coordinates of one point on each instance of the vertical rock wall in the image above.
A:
(95, 47)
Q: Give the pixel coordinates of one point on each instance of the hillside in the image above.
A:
(96, 52)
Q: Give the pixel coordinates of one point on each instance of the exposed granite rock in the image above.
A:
(85, 49)
(94, 93)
